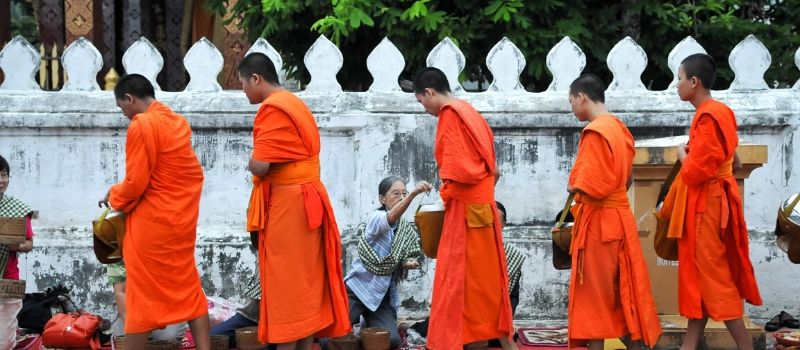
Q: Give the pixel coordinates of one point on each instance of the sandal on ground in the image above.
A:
(788, 321)
(775, 323)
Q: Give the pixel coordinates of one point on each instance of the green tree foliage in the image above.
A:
(23, 22)
(416, 26)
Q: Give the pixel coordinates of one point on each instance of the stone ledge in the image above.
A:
(787, 100)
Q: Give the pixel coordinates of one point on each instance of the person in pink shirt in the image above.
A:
(11, 207)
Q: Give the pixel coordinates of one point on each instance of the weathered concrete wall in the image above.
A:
(66, 149)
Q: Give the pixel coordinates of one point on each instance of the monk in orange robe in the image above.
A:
(609, 290)
(160, 197)
(470, 290)
(714, 268)
(299, 248)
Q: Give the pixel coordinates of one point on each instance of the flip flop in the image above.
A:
(774, 323)
(788, 321)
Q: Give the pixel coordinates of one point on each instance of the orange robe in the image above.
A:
(160, 196)
(609, 290)
(299, 251)
(714, 268)
(470, 288)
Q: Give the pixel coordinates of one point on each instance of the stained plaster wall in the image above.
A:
(66, 148)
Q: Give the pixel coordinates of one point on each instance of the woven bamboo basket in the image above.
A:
(12, 230)
(219, 342)
(347, 342)
(12, 289)
(247, 339)
(162, 345)
(119, 342)
(374, 338)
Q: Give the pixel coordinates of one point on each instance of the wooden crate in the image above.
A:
(12, 230)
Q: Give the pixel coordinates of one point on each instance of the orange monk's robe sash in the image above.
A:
(634, 281)
(319, 213)
(303, 172)
(679, 203)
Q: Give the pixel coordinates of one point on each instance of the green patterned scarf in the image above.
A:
(405, 245)
(514, 260)
(11, 207)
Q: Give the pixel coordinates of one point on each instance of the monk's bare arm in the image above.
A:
(630, 179)
(737, 162)
(683, 152)
(395, 213)
(257, 167)
(571, 189)
(125, 195)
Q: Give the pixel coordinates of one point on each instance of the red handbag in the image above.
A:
(74, 330)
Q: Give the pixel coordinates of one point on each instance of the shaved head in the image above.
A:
(431, 78)
(135, 85)
(591, 86)
(701, 66)
(259, 64)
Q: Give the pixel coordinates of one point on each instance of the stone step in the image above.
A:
(716, 335)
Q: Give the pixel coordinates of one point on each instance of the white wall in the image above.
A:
(66, 148)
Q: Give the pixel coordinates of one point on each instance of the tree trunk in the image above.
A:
(631, 19)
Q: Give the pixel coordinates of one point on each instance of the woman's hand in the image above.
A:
(422, 186)
(398, 209)
(22, 247)
(411, 264)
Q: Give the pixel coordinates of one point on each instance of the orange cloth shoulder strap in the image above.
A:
(147, 121)
(726, 121)
(478, 129)
(300, 114)
(613, 130)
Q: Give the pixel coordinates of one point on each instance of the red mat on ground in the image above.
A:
(530, 347)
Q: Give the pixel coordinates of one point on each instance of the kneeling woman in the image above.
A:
(388, 246)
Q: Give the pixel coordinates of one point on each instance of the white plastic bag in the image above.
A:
(220, 309)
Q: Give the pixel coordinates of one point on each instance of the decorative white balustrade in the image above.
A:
(565, 62)
(143, 58)
(687, 47)
(627, 61)
(19, 61)
(262, 46)
(797, 63)
(447, 57)
(81, 63)
(506, 62)
(749, 61)
(203, 62)
(385, 63)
